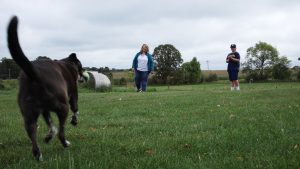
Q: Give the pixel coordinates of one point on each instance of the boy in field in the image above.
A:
(233, 60)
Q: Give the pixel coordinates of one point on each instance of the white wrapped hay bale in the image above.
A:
(98, 81)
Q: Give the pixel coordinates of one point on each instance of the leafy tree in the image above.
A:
(9, 69)
(259, 61)
(280, 69)
(94, 69)
(168, 62)
(42, 57)
(191, 71)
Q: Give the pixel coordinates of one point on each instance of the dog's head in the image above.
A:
(75, 62)
(72, 59)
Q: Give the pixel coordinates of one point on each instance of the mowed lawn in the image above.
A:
(183, 127)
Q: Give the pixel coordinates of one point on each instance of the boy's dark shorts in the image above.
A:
(233, 74)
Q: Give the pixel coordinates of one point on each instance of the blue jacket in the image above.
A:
(150, 61)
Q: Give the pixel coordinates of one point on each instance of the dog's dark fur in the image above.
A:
(45, 85)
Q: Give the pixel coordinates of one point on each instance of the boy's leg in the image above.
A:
(232, 85)
(230, 78)
(235, 78)
(237, 85)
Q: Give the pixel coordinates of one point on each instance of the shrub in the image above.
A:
(123, 81)
(211, 77)
(120, 82)
(223, 77)
(298, 75)
(280, 69)
(1, 85)
(8, 84)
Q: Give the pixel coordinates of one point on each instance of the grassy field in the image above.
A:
(183, 127)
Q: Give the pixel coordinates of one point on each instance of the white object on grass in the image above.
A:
(98, 80)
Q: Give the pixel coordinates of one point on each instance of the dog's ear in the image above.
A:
(73, 56)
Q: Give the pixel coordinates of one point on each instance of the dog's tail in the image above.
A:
(16, 50)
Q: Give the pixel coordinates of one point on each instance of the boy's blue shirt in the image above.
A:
(232, 65)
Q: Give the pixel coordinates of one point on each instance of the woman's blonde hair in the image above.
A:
(145, 46)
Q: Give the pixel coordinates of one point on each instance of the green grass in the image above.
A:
(183, 127)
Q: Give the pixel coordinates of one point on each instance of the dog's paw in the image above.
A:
(74, 120)
(67, 144)
(48, 138)
(52, 133)
(39, 157)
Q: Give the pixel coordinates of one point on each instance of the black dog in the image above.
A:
(45, 85)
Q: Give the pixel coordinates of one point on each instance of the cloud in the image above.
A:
(109, 33)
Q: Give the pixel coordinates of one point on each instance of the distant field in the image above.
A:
(219, 73)
(183, 127)
(123, 74)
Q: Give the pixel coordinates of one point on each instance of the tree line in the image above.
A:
(263, 62)
(9, 69)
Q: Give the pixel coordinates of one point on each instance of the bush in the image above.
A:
(123, 81)
(211, 77)
(120, 82)
(8, 84)
(222, 77)
(281, 71)
(1, 85)
(256, 77)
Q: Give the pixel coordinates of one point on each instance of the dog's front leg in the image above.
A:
(74, 108)
(74, 120)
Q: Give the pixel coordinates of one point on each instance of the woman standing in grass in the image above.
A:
(233, 60)
(142, 65)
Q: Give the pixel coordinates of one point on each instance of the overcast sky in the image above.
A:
(110, 33)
